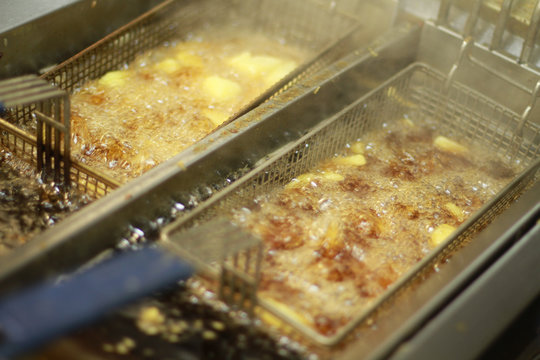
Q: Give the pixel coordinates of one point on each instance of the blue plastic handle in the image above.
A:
(36, 315)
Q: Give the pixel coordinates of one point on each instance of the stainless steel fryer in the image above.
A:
(189, 178)
(164, 21)
(298, 23)
(350, 78)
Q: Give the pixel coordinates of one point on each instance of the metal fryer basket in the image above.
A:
(310, 24)
(417, 90)
(300, 24)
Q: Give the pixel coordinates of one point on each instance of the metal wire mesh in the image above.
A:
(48, 110)
(18, 142)
(474, 117)
(462, 113)
(239, 279)
(418, 92)
(24, 147)
(305, 24)
(91, 182)
(309, 24)
(50, 149)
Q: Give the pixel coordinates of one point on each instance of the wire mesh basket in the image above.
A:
(299, 24)
(419, 91)
(311, 25)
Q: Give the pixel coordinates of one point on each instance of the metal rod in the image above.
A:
(92, 173)
(234, 279)
(473, 18)
(230, 286)
(17, 80)
(8, 87)
(85, 183)
(528, 44)
(500, 27)
(257, 275)
(30, 95)
(39, 140)
(244, 291)
(464, 50)
(221, 290)
(67, 140)
(444, 11)
(50, 121)
(46, 142)
(12, 129)
(57, 140)
(59, 125)
(527, 112)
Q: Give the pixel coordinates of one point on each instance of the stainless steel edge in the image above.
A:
(41, 35)
(456, 15)
(439, 48)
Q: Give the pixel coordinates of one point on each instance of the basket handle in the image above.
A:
(51, 108)
(42, 312)
(496, 43)
(500, 26)
(444, 13)
(465, 52)
(528, 44)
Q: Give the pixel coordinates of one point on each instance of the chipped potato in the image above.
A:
(353, 160)
(358, 147)
(301, 180)
(168, 66)
(332, 239)
(220, 89)
(408, 122)
(217, 117)
(332, 232)
(187, 58)
(445, 144)
(254, 65)
(272, 69)
(332, 176)
(150, 320)
(455, 211)
(440, 234)
(284, 309)
(113, 79)
(279, 72)
(307, 178)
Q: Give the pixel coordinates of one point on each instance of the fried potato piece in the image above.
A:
(440, 234)
(445, 144)
(220, 89)
(113, 79)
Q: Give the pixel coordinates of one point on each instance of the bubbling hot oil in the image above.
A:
(27, 205)
(339, 236)
(168, 98)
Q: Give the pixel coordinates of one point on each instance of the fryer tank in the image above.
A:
(473, 66)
